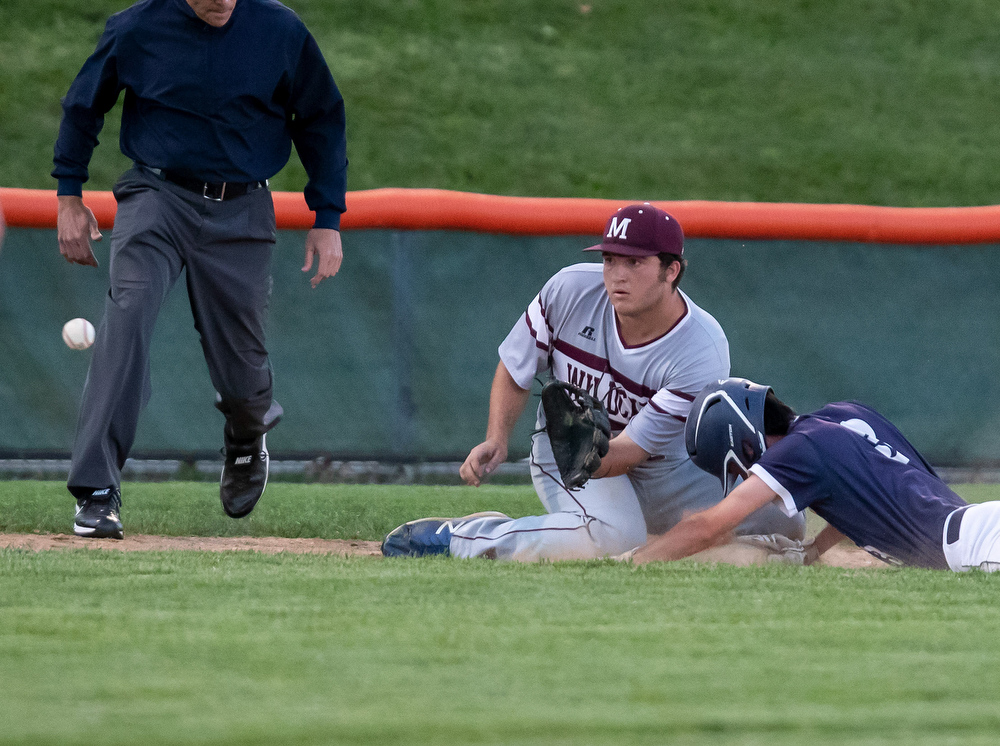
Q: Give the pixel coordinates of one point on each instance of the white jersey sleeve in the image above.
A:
(525, 351)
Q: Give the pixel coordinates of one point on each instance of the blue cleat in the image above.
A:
(427, 536)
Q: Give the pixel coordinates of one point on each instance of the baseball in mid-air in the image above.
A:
(78, 334)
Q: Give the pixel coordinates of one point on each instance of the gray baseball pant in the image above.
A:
(225, 248)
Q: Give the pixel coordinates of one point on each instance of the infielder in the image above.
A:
(846, 462)
(630, 337)
(216, 94)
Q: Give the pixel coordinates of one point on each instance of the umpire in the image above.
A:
(216, 93)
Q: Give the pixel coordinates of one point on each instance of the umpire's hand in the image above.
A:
(76, 228)
(324, 243)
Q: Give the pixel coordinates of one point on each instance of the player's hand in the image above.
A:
(812, 552)
(76, 228)
(323, 243)
(481, 461)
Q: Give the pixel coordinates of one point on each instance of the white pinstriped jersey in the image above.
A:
(647, 389)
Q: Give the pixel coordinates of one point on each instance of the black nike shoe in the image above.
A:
(244, 476)
(98, 516)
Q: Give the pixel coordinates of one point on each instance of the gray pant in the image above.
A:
(161, 229)
(606, 517)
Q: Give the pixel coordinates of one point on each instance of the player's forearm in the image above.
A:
(623, 455)
(692, 535)
(709, 527)
(824, 540)
(507, 402)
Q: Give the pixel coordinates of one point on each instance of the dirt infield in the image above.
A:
(842, 555)
(850, 556)
(146, 542)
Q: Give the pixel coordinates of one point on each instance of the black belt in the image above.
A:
(217, 191)
(955, 524)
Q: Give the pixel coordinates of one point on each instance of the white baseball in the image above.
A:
(78, 334)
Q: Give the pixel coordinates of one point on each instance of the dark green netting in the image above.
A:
(394, 356)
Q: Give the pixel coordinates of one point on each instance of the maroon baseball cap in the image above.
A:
(641, 230)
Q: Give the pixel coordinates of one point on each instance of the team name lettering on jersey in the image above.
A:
(582, 378)
(621, 406)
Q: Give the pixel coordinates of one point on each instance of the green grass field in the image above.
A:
(853, 101)
(244, 648)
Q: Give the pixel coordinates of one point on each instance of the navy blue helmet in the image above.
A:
(724, 433)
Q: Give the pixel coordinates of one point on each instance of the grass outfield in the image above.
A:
(243, 648)
(295, 510)
(888, 103)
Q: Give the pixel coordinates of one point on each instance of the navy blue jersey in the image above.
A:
(856, 470)
(214, 104)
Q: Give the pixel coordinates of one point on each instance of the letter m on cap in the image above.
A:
(618, 230)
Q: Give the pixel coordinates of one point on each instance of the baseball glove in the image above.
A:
(578, 428)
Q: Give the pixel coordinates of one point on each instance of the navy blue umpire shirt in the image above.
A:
(214, 104)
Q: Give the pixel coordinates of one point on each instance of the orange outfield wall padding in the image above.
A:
(438, 209)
